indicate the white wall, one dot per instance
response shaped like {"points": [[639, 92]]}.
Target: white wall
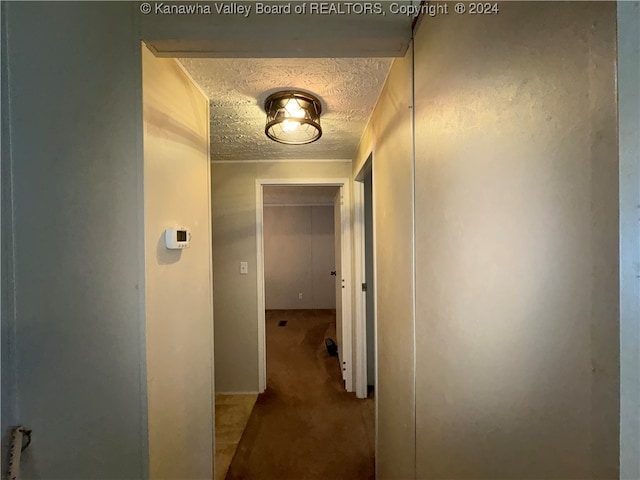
{"points": [[234, 240], [179, 311], [517, 357], [75, 125], [629, 126], [299, 257]]}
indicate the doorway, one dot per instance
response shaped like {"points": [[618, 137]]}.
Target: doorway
{"points": [[364, 248], [299, 244], [342, 280], [369, 288]]}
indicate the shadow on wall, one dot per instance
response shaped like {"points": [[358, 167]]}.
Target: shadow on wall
{"points": [[164, 255]]}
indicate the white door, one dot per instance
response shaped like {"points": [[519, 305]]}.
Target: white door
{"points": [[337, 218]]}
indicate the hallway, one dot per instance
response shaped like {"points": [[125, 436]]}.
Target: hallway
{"points": [[305, 425], [505, 191]]}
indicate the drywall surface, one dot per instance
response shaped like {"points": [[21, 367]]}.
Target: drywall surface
{"points": [[7, 375], [233, 201], [389, 136], [350, 32], [74, 86], [629, 126], [299, 257], [517, 243], [179, 312]]}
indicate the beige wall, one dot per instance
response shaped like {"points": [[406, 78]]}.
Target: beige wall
{"points": [[388, 135], [299, 257], [517, 243], [234, 240], [178, 284]]}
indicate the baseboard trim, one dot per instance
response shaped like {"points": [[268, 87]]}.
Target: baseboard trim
{"points": [[237, 393]]}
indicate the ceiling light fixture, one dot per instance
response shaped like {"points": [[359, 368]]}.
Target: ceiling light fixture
{"points": [[293, 117]]}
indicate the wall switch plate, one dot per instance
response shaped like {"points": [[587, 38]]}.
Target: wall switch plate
{"points": [[244, 268]]}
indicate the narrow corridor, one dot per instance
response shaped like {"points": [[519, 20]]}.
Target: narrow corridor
{"points": [[305, 425]]}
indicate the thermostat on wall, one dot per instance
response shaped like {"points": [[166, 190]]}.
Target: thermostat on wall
{"points": [[177, 237]]}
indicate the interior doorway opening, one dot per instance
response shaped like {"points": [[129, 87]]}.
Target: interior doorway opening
{"points": [[365, 292], [291, 286], [299, 244], [302, 278], [369, 289]]}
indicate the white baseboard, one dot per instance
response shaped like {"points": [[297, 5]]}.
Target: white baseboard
{"points": [[237, 393]]}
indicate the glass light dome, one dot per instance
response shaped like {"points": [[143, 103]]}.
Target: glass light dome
{"points": [[293, 117]]}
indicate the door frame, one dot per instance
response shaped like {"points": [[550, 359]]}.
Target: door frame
{"points": [[345, 234], [360, 297]]}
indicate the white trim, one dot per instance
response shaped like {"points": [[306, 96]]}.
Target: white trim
{"points": [[269, 205], [210, 233], [301, 182], [346, 268], [262, 347], [302, 160], [360, 274], [238, 393], [374, 243], [347, 320], [360, 297]]}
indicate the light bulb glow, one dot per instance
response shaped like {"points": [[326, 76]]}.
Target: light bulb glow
{"points": [[290, 125], [293, 109]]}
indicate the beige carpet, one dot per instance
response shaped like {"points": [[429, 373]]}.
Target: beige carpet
{"points": [[305, 426], [232, 415]]}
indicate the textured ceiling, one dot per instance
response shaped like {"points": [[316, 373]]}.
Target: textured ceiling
{"points": [[237, 88], [299, 195]]}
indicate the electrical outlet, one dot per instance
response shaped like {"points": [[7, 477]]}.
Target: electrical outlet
{"points": [[300, 296]]}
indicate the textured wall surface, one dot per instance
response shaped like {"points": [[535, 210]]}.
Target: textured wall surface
{"points": [[233, 200], [179, 311], [517, 243], [389, 137], [346, 87], [629, 117], [299, 194], [298, 257], [74, 79]]}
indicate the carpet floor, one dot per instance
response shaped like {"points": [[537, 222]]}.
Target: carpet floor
{"points": [[232, 415], [305, 426]]}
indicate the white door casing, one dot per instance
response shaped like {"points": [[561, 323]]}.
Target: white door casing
{"points": [[339, 285], [360, 297]]}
